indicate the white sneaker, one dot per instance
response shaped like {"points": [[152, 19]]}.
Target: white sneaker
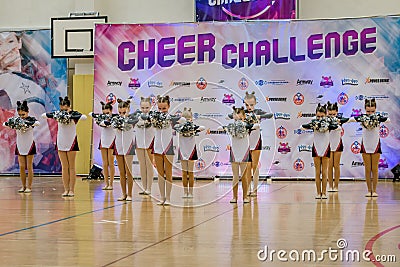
{"points": [[189, 195], [374, 194], [246, 200], [185, 195], [147, 193], [167, 203], [233, 200], [331, 189], [324, 196], [318, 197], [28, 190], [128, 198], [369, 194], [161, 202], [335, 189]]}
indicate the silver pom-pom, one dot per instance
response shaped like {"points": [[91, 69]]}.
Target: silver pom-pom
{"points": [[120, 123], [160, 120], [187, 129], [237, 129], [102, 118], [369, 121], [251, 118], [17, 123], [321, 125], [62, 116]]}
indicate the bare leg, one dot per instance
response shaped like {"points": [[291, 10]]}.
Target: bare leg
{"points": [[122, 175], [128, 169], [245, 168], [141, 155], [184, 166], [367, 167], [104, 157], [255, 158], [191, 176], [324, 166], [150, 171], [374, 169], [22, 174], [64, 170], [235, 181], [336, 166], [71, 155], [29, 165], [159, 159], [111, 166], [317, 166], [168, 159], [330, 169]]}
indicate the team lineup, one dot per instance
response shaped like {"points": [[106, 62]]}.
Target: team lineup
{"points": [[148, 134]]}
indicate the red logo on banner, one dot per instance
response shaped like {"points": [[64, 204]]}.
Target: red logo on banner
{"points": [[243, 84], [201, 83], [298, 165], [111, 98], [281, 132], [298, 98]]}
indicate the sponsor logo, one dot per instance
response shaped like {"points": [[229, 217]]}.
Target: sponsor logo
{"points": [[200, 164], [357, 164], [383, 131], [270, 82], [207, 115], [228, 99], [218, 85], [220, 164], [298, 98], [377, 97], [134, 83], [355, 147], [211, 148], [157, 84], [383, 164], [302, 131], [320, 97], [243, 84], [301, 114], [298, 165], [326, 82], [201, 83], [304, 82], [207, 99], [114, 83], [242, 9], [179, 84], [304, 148], [343, 98], [275, 99], [209, 131], [282, 116], [181, 99], [383, 113], [377, 80], [111, 98], [355, 112], [281, 132], [268, 148], [348, 81], [284, 148]]}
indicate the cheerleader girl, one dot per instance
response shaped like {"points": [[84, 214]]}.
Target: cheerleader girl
{"points": [[25, 148], [144, 143], [371, 145], [187, 149], [253, 116], [124, 146], [240, 156], [321, 149], [336, 145], [163, 150], [107, 142], [67, 142]]}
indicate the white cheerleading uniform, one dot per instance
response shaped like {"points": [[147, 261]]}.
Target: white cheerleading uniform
{"points": [[125, 137], [335, 140], [144, 137], [255, 134], [107, 135], [187, 148], [66, 136], [370, 141], [240, 149], [321, 147], [25, 143], [163, 139]]}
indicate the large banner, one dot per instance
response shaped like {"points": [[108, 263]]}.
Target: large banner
{"points": [[27, 72], [226, 10], [291, 65]]}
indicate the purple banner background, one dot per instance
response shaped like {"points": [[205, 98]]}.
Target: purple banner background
{"points": [[219, 10]]}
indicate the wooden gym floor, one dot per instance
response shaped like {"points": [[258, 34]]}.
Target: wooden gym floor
{"points": [[93, 229]]}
